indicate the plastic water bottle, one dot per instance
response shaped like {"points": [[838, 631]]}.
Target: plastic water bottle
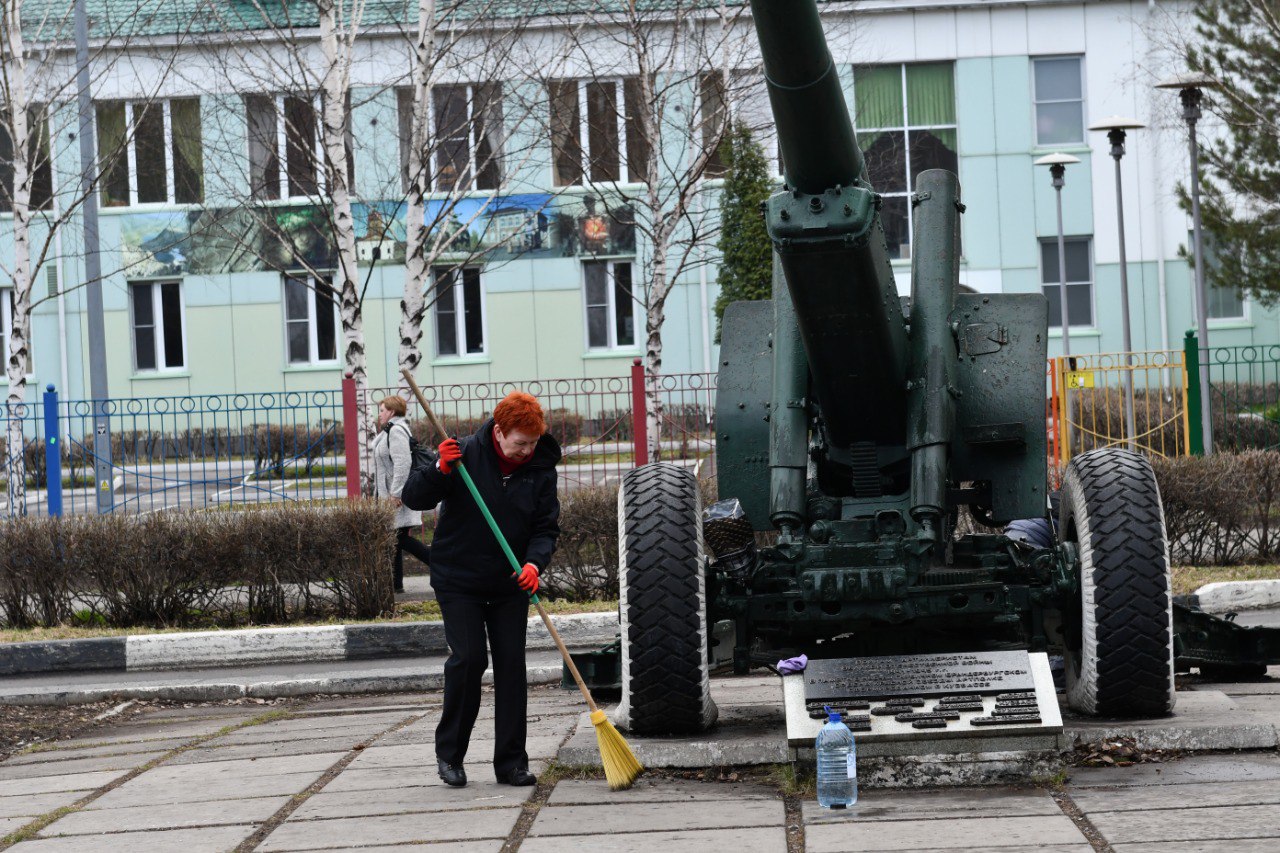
{"points": [[837, 768]]}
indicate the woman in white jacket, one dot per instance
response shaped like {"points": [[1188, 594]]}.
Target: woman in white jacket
{"points": [[392, 459]]}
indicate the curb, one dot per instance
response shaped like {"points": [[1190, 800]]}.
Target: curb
{"points": [[204, 649], [1239, 595]]}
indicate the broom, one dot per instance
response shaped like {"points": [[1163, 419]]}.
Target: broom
{"points": [[620, 764]]}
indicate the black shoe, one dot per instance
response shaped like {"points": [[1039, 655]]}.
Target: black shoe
{"points": [[453, 776], [399, 589], [519, 777]]}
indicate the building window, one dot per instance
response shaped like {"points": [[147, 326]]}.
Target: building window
{"points": [[310, 320], [38, 161], [714, 106], [150, 152], [1225, 302], [611, 311], [467, 122], [1079, 280], [459, 310], [612, 109], [285, 147], [1059, 101], [906, 124], [158, 334]]}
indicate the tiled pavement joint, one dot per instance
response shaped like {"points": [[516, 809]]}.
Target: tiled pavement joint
{"points": [[1086, 827], [283, 813], [794, 825]]}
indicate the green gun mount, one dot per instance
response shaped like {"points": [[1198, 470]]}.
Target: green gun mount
{"points": [[879, 446]]}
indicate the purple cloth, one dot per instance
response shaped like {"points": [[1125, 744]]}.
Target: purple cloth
{"points": [[791, 666]]}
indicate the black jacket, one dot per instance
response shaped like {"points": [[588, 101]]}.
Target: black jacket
{"points": [[465, 556]]}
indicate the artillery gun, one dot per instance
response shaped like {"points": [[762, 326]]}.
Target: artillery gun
{"points": [[855, 428]]}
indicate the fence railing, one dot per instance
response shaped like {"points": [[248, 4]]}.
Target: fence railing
{"points": [[230, 450], [1087, 401], [1244, 396]]}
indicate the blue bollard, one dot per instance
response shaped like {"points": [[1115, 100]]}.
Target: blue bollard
{"points": [[52, 452]]}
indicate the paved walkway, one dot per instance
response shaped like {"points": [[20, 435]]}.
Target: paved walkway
{"points": [[358, 772]]}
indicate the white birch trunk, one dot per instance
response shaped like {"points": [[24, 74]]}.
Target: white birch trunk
{"points": [[17, 358], [413, 302], [336, 43]]}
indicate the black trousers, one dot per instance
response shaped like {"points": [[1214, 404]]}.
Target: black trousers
{"points": [[416, 547], [467, 619]]}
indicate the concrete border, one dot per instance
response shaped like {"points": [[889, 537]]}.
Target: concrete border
{"points": [[1239, 595], [202, 649]]}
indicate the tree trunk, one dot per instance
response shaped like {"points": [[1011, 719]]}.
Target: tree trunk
{"points": [[336, 45], [413, 304], [654, 318], [18, 356]]}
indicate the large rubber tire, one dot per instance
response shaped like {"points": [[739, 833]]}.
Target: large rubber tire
{"points": [[665, 681], [1119, 649]]}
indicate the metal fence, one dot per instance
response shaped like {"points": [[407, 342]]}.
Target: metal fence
{"points": [[1087, 397], [1244, 396], [594, 419], [179, 452]]}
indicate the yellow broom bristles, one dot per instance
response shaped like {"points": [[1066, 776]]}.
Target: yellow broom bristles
{"points": [[620, 765]]}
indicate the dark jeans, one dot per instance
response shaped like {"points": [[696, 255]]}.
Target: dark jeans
{"points": [[416, 547], [467, 618]]}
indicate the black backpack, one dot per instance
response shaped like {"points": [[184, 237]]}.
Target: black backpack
{"points": [[421, 457]]}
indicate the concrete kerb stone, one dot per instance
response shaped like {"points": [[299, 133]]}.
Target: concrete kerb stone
{"points": [[202, 649], [1239, 595]]}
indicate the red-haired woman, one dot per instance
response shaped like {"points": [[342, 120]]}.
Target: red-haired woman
{"points": [[512, 460]]}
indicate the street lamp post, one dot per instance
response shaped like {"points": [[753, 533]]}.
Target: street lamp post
{"points": [[1116, 127], [1190, 91], [1057, 164]]}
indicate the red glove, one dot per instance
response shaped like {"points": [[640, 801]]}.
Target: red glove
{"points": [[528, 578], [450, 452]]}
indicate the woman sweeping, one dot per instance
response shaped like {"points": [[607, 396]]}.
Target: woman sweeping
{"points": [[392, 460], [512, 460]]}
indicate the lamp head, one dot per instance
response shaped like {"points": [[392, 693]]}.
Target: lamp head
{"points": [[1057, 164], [1116, 128], [1190, 88]]}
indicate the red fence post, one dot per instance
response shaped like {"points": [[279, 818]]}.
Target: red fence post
{"points": [[639, 432], [351, 435]]}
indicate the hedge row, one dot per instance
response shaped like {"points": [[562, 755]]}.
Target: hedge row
{"points": [[198, 569], [1222, 509]]}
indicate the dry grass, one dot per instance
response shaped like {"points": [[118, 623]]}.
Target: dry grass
{"points": [[1187, 579], [413, 611]]}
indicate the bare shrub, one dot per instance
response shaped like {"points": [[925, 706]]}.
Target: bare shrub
{"points": [[585, 564], [35, 585], [1219, 510]]}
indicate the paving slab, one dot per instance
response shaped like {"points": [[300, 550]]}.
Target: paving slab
{"points": [[744, 734], [75, 766], [391, 829], [760, 839], [978, 833], [211, 840], [148, 790], [1236, 845], [12, 824], [167, 816], [1187, 821], [896, 804], [656, 816], [50, 784], [419, 798], [34, 805], [423, 755], [211, 752], [96, 750], [656, 790], [314, 727], [387, 778], [1202, 720], [1258, 767], [1135, 798]]}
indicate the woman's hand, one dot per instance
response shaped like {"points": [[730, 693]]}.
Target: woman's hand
{"points": [[450, 452], [528, 578]]}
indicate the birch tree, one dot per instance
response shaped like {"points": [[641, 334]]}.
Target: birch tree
{"points": [[679, 66]]}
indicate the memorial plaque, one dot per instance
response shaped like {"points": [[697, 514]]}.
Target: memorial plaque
{"points": [[895, 677], [931, 723], [1004, 721]]}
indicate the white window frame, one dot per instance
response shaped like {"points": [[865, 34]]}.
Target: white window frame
{"points": [[282, 148], [157, 316], [584, 132], [132, 109], [472, 143], [460, 314], [611, 289], [1087, 239], [1036, 102], [905, 130], [313, 331]]}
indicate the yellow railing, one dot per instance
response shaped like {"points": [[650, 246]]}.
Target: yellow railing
{"points": [[1087, 403]]}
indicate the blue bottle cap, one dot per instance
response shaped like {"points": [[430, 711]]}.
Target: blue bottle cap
{"points": [[832, 716]]}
